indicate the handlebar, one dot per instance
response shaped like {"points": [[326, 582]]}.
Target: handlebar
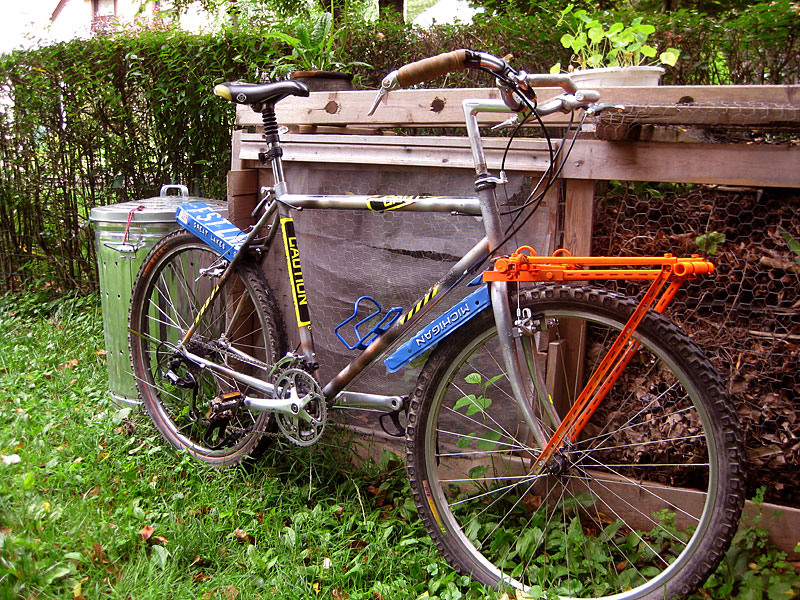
{"points": [[513, 83], [431, 68]]}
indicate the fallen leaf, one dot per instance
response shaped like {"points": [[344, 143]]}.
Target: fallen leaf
{"points": [[98, 554], [68, 365], [230, 592], [11, 459], [339, 594], [200, 577], [147, 532], [101, 353], [326, 563], [159, 540], [242, 536]]}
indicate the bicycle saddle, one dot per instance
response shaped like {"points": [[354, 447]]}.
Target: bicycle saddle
{"points": [[260, 93]]}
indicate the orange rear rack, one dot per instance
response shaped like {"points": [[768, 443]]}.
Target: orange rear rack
{"points": [[525, 266]]}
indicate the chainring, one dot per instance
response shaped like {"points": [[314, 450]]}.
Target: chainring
{"points": [[293, 382]]}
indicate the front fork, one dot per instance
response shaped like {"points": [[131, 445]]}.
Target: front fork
{"points": [[520, 385]]}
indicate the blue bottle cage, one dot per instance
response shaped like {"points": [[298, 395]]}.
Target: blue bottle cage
{"points": [[365, 339]]}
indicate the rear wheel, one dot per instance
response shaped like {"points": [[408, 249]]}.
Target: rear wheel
{"points": [[643, 504], [193, 408]]}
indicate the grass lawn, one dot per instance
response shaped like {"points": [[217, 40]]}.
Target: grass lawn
{"points": [[93, 505]]}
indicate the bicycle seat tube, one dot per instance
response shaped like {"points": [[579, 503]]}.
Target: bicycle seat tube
{"points": [[273, 154]]}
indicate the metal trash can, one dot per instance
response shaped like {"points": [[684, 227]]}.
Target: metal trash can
{"points": [[124, 234]]}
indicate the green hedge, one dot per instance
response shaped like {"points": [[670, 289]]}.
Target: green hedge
{"points": [[756, 45], [113, 118], [108, 120]]}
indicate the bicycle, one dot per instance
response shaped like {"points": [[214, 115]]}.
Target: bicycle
{"points": [[560, 437]]}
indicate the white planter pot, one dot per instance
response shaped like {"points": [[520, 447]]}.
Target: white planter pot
{"points": [[617, 77]]}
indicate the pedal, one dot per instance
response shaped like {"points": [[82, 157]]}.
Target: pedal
{"points": [[382, 322], [211, 227], [221, 406]]}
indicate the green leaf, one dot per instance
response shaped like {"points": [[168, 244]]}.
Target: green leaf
{"points": [[615, 28], [279, 35], [464, 401], [494, 379], [648, 51], [793, 244], [159, 556], [596, 34], [56, 572], [474, 378], [487, 440], [529, 541], [708, 242], [669, 56], [465, 441], [479, 405], [478, 472]]}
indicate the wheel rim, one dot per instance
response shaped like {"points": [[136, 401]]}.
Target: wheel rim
{"points": [[232, 328], [592, 462]]}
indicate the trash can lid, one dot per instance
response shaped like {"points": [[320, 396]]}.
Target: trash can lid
{"points": [[158, 209]]}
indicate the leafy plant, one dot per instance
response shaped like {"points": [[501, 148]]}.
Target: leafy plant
{"points": [[476, 404], [709, 242], [793, 244], [596, 44], [314, 48], [752, 568]]}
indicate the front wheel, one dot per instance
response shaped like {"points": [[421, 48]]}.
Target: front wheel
{"points": [[197, 409], [642, 504]]}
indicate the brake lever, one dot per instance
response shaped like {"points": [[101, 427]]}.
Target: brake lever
{"points": [[388, 84], [510, 122]]}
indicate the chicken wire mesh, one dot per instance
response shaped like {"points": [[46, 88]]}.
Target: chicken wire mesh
{"points": [[745, 316]]}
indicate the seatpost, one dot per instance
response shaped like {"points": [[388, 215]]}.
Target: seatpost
{"points": [[274, 151]]}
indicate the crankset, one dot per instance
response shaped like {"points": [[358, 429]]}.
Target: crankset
{"points": [[310, 413]]}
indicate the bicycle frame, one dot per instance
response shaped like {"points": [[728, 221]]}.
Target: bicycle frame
{"points": [[484, 205]]}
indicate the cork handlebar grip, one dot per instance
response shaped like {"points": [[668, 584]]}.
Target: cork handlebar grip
{"points": [[430, 68]]}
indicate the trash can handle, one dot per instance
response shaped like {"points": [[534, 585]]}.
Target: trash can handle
{"points": [[184, 191]]}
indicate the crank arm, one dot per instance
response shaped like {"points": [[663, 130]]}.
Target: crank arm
{"points": [[293, 407]]}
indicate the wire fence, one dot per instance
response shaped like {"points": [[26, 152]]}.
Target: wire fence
{"points": [[747, 317]]}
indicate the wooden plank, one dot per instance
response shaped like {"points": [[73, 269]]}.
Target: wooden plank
{"points": [[449, 152], [236, 144], [442, 107], [578, 217], [578, 225], [242, 193], [242, 182], [729, 164]]}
